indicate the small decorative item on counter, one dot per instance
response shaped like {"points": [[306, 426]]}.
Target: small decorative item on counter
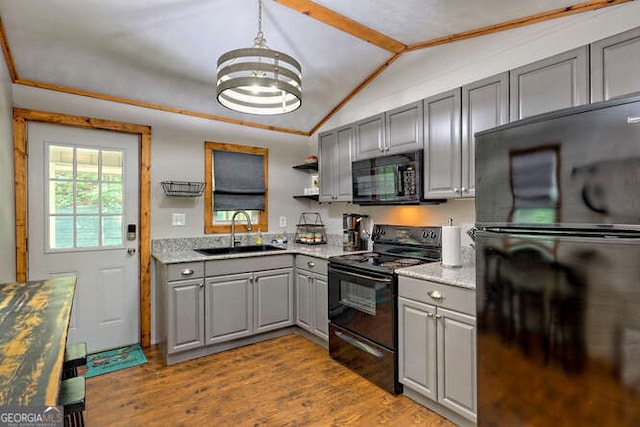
{"points": [[259, 237], [310, 229]]}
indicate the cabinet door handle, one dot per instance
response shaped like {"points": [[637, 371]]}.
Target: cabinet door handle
{"points": [[201, 285], [464, 190], [436, 295], [438, 316], [633, 120], [311, 264], [455, 189], [429, 314], [187, 272]]}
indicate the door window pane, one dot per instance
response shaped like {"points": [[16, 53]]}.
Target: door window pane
{"points": [[61, 197], [86, 197], [112, 166], [111, 198], [112, 230], [61, 232], [87, 231], [87, 164], [60, 162]]}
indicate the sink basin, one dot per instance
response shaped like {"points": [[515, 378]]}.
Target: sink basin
{"points": [[238, 250]]}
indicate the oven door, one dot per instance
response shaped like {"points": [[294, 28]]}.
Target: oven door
{"points": [[363, 303]]}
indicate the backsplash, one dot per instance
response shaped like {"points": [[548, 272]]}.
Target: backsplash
{"points": [[219, 241]]}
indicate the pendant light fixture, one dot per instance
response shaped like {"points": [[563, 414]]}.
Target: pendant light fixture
{"points": [[259, 80]]}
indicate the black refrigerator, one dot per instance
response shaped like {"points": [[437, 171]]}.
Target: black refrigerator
{"points": [[558, 268]]}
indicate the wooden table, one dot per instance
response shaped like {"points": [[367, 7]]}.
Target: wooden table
{"points": [[34, 319]]}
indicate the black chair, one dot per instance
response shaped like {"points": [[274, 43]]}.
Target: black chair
{"points": [[75, 356], [72, 399]]}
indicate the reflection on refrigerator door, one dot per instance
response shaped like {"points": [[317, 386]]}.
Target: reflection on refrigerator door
{"points": [[558, 330]]}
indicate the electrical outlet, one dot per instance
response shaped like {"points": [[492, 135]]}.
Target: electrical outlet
{"points": [[178, 219], [283, 221]]}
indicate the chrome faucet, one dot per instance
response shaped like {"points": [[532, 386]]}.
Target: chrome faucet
{"points": [[233, 226]]}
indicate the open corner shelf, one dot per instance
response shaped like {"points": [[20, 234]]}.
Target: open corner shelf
{"points": [[307, 167]]}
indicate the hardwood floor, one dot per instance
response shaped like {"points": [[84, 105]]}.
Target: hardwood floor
{"points": [[287, 381]]}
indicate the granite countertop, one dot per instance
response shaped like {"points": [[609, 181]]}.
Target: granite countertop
{"points": [[189, 255], [464, 276]]}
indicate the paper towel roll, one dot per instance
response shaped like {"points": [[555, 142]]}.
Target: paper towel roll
{"points": [[451, 246]]}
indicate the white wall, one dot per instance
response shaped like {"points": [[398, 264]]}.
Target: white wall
{"points": [[427, 72], [7, 217], [177, 154]]}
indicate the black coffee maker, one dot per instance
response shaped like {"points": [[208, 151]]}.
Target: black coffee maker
{"points": [[352, 232]]}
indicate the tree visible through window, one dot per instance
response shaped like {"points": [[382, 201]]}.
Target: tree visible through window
{"points": [[238, 183], [85, 197]]}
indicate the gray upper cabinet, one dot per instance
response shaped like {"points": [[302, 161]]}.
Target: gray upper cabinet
{"points": [[335, 148], [553, 83], [403, 129], [370, 137], [442, 156], [485, 104], [615, 66]]}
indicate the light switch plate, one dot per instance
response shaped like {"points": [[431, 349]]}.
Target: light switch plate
{"points": [[178, 219], [283, 221]]}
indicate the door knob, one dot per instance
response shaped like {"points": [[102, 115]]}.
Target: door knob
{"points": [[131, 251]]}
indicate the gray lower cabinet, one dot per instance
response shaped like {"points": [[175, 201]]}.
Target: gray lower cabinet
{"points": [[202, 304], [437, 347], [335, 148], [615, 66], [185, 309], [560, 81], [272, 300], [240, 305], [312, 305], [228, 308]]}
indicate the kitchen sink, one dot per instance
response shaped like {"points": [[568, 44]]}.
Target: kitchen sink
{"points": [[238, 249]]}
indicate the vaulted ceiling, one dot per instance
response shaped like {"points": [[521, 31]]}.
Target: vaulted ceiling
{"points": [[162, 54]]}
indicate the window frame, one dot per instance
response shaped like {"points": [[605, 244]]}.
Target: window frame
{"points": [[241, 226]]}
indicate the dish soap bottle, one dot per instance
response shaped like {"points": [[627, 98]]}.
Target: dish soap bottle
{"points": [[259, 237]]}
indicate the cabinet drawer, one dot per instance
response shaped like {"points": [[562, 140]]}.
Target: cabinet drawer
{"points": [[185, 270], [247, 264], [438, 294], [318, 265]]}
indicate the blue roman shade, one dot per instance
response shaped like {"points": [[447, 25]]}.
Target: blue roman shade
{"points": [[238, 181]]}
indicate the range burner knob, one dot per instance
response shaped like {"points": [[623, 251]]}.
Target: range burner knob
{"points": [[432, 234]]}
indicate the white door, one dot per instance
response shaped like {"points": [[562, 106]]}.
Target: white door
{"points": [[82, 197]]}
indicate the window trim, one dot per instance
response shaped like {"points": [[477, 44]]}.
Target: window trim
{"points": [[209, 227]]}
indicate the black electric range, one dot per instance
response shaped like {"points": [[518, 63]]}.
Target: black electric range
{"points": [[363, 306], [396, 247]]}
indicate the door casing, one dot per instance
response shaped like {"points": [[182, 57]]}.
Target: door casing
{"points": [[20, 119]]}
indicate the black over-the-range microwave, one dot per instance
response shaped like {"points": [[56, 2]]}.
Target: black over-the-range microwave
{"points": [[388, 180]]}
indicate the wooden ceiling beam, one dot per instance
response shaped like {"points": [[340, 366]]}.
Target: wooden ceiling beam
{"points": [[342, 23], [11, 66], [519, 22]]}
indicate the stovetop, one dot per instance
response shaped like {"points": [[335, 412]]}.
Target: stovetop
{"points": [[396, 247]]}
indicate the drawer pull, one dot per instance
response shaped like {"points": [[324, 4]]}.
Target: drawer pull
{"points": [[436, 295], [311, 264], [187, 272]]}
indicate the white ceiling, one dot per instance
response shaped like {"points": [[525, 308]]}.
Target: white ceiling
{"points": [[165, 51]]}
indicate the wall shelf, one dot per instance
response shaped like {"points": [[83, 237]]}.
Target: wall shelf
{"points": [[307, 167], [182, 188]]}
